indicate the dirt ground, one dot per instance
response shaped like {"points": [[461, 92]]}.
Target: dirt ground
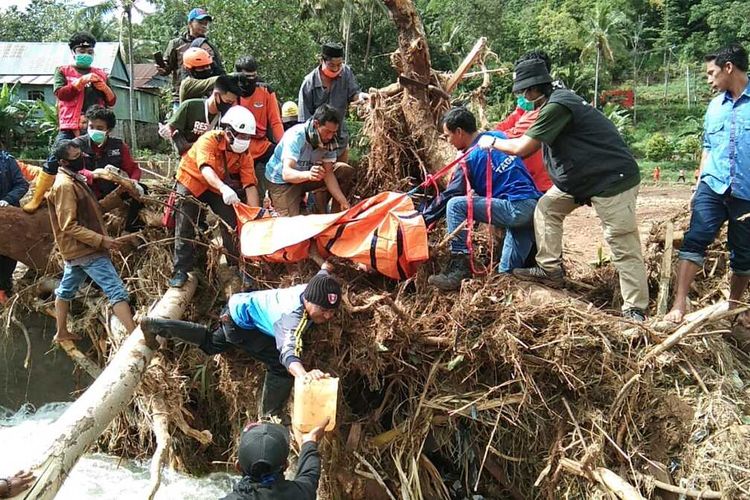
{"points": [[583, 233]]}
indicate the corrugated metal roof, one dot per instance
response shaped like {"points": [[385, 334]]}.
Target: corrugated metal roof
{"points": [[41, 58], [27, 79], [146, 77]]}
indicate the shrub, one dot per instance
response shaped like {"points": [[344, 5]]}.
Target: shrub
{"points": [[659, 147]]}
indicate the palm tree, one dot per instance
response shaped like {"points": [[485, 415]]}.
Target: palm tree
{"points": [[601, 27], [124, 10]]}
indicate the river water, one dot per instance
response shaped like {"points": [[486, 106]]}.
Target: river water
{"points": [[98, 475]]}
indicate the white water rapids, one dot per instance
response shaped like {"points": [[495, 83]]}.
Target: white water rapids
{"points": [[98, 475]]}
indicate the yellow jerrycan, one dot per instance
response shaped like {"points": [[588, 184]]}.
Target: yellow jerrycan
{"points": [[314, 401]]}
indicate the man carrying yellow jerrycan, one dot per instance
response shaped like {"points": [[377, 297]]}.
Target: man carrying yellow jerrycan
{"points": [[268, 325]]}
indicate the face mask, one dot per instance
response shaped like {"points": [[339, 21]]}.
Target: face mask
{"points": [[524, 103], [248, 86], [84, 61], [222, 106], [77, 164], [201, 74], [238, 145], [98, 136], [330, 74]]}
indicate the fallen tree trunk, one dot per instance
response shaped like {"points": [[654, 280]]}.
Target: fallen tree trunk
{"points": [[31, 241], [72, 434]]}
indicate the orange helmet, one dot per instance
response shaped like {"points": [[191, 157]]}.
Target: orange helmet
{"points": [[195, 57]]}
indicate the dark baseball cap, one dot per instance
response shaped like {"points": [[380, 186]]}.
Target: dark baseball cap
{"points": [[529, 73], [198, 15], [264, 448]]}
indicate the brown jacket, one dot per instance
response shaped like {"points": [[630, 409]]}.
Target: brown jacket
{"points": [[76, 217]]}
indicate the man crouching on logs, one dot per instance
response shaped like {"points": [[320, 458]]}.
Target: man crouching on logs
{"points": [[268, 325]]}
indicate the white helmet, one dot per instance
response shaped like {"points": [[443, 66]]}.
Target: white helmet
{"points": [[240, 119]]}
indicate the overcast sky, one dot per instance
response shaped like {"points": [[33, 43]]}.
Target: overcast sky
{"points": [[141, 4]]}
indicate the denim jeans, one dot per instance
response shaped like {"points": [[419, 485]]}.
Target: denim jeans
{"points": [[709, 211], [515, 217], [101, 271]]}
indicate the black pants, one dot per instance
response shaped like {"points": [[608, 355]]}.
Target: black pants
{"points": [[278, 382], [188, 214], [7, 266], [260, 172]]}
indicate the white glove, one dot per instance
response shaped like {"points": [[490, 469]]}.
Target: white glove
{"points": [[486, 141], [364, 96], [139, 188], [229, 196], [4, 203], [165, 131]]}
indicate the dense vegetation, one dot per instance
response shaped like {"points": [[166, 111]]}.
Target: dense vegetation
{"points": [[655, 44]]}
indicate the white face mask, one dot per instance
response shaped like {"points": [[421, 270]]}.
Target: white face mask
{"points": [[240, 145]]}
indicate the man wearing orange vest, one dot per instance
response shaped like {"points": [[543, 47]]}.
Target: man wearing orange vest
{"points": [[260, 99], [217, 166], [77, 87]]}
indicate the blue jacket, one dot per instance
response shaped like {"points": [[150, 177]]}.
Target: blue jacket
{"points": [[12, 184], [278, 313], [510, 180]]}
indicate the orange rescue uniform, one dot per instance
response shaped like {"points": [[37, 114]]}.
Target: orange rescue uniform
{"points": [[212, 149]]}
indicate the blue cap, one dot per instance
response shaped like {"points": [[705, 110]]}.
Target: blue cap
{"points": [[198, 14]]}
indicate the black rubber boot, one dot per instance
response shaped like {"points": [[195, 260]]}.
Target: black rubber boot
{"points": [[455, 272], [276, 390], [191, 333]]}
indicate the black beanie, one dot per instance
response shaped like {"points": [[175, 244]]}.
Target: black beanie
{"points": [[323, 291]]}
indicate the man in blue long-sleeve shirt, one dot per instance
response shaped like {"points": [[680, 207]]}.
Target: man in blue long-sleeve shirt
{"points": [[513, 198], [268, 325], [13, 187]]}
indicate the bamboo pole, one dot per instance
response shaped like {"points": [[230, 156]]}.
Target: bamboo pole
{"points": [[84, 421], [666, 272]]}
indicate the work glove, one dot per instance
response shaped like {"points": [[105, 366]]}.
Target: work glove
{"points": [[88, 175], [486, 141], [4, 203], [100, 85], [139, 188], [229, 196], [165, 131], [81, 82], [363, 96]]}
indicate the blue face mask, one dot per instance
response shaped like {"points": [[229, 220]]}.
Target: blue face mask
{"points": [[84, 61], [524, 103], [98, 136]]}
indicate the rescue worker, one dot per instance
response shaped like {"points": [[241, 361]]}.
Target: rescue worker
{"points": [[269, 325], [196, 37], [289, 114], [332, 82], [215, 168], [589, 163], [262, 460], [81, 237], [195, 117], [77, 87], [723, 190], [260, 99], [103, 150], [13, 187], [201, 75], [513, 199], [305, 161]]}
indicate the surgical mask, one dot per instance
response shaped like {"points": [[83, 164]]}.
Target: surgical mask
{"points": [[330, 74], [524, 103], [239, 145], [98, 136], [84, 61]]}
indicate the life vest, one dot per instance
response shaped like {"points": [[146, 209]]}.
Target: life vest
{"points": [[69, 112], [383, 232]]}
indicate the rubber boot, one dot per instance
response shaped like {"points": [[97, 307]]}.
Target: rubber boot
{"points": [[44, 181], [454, 273], [276, 390], [191, 333]]}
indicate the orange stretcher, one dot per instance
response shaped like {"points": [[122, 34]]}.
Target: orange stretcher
{"points": [[384, 232]]}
